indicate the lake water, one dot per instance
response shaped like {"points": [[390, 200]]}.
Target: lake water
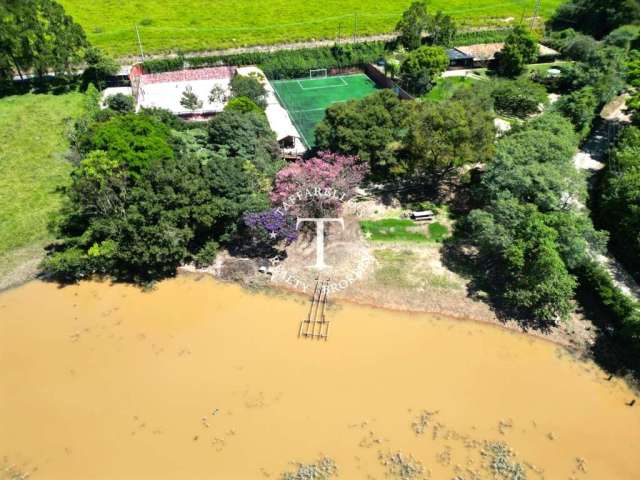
{"points": [[203, 380]]}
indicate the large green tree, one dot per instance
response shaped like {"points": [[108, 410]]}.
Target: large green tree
{"points": [[422, 67], [443, 136], [37, 36], [371, 128], [127, 220], [596, 17], [414, 22], [520, 49]]}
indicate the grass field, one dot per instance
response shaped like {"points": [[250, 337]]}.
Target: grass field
{"points": [[306, 99], [191, 25], [446, 87], [403, 230], [32, 165]]}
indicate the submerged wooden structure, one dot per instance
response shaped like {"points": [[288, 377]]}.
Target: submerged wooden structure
{"points": [[316, 325]]}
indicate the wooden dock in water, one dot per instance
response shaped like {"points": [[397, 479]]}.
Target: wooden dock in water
{"points": [[316, 325]]}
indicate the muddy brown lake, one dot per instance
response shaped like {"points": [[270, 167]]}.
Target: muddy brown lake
{"points": [[198, 379]]}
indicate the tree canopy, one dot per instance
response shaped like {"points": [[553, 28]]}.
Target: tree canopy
{"points": [[37, 35], [414, 22], [596, 17], [520, 49], [422, 67]]}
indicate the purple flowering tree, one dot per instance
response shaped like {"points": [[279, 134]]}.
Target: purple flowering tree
{"points": [[271, 226]]}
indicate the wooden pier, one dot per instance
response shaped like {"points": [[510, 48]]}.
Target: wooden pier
{"points": [[316, 325]]}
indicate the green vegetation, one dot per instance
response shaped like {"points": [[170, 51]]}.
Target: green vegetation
{"points": [[33, 166], [445, 88], [283, 63], [421, 68], [518, 98], [596, 17], [37, 36], [407, 138], [403, 230], [190, 25], [520, 49], [148, 195]]}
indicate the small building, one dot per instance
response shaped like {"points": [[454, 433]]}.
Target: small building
{"points": [[483, 54], [458, 59]]}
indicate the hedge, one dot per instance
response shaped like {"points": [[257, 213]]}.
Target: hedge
{"points": [[283, 63], [624, 310]]}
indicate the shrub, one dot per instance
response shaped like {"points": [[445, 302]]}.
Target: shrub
{"points": [[519, 98], [243, 105], [120, 103]]}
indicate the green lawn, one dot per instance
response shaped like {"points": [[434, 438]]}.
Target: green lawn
{"points": [[192, 25], [446, 87], [33, 143], [403, 230]]}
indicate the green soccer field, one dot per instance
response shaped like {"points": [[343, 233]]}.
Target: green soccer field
{"points": [[306, 99]]}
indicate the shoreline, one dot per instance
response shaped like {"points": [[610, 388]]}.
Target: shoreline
{"points": [[282, 289]]}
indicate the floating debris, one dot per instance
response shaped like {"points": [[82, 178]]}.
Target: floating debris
{"points": [[401, 466], [420, 424], [323, 469], [501, 463]]}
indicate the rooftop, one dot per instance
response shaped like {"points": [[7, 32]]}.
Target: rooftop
{"points": [[487, 51]]}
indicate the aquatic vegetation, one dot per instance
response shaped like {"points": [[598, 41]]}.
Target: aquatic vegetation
{"points": [[323, 469]]}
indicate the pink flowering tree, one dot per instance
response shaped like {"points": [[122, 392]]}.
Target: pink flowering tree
{"points": [[318, 186]]}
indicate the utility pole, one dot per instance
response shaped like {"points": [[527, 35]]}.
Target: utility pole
{"points": [[355, 27], [339, 32], [140, 43], [536, 12]]}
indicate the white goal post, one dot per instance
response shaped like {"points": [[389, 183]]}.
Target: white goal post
{"points": [[318, 73]]}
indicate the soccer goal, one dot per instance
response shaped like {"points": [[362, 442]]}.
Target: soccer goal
{"points": [[318, 73]]}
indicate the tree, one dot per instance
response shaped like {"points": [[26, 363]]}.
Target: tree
{"points": [[243, 105], [251, 87], [371, 129], [520, 49], [422, 67], [444, 136], [99, 67], [120, 103], [297, 186], [618, 204], [443, 29], [580, 108], [535, 165], [190, 100], [527, 273], [246, 135], [134, 141], [519, 98], [415, 20], [37, 35], [596, 17], [140, 224], [218, 94]]}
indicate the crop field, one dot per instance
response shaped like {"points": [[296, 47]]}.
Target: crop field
{"points": [[33, 143], [193, 25]]}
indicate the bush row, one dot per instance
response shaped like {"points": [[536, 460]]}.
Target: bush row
{"points": [[283, 63], [625, 311]]}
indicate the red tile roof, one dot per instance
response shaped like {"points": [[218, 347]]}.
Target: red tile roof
{"points": [[188, 75]]}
